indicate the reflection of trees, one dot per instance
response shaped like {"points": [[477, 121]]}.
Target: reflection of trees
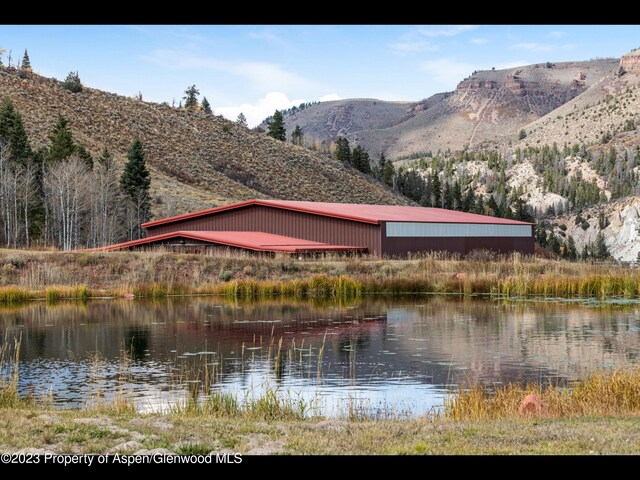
{"points": [[136, 342], [489, 340]]}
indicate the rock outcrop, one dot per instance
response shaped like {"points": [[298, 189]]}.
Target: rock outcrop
{"points": [[631, 61]]}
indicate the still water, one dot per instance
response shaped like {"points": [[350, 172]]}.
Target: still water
{"points": [[385, 355]]}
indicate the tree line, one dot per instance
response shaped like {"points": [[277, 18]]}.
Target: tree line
{"points": [[60, 195]]}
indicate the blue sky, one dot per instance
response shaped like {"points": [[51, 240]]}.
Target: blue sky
{"points": [[255, 69]]}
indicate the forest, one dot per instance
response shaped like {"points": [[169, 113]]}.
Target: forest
{"points": [[60, 195]]}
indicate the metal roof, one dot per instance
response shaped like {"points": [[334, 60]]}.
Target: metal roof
{"points": [[357, 212], [257, 241]]}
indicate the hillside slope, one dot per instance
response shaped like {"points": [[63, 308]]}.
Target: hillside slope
{"points": [[326, 121], [597, 115], [196, 161], [486, 109]]}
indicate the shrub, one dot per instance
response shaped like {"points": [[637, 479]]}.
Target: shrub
{"points": [[72, 82]]}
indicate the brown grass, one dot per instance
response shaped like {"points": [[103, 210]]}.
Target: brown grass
{"points": [[602, 394], [26, 275]]}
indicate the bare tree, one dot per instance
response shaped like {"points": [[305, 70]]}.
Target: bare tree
{"points": [[67, 188]]}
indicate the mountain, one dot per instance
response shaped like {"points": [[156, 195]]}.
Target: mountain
{"points": [[326, 121], [486, 109], [196, 161]]}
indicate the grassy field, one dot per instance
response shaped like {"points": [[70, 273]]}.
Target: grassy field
{"points": [[78, 431], [27, 275]]}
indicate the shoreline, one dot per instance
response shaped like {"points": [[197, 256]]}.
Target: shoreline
{"points": [[42, 431], [54, 276]]}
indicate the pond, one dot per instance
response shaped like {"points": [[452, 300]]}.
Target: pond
{"points": [[382, 355]]}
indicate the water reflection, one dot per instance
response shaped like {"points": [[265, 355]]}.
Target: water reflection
{"points": [[396, 353]]}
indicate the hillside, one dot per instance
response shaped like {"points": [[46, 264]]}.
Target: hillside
{"points": [[486, 109], [196, 161], [327, 121], [597, 115]]}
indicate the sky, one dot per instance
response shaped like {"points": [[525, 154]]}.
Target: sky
{"points": [[256, 69]]}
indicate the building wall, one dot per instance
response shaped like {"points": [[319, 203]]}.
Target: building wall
{"points": [[401, 245], [260, 218]]}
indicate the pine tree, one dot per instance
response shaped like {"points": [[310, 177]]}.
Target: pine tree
{"points": [[72, 83], [436, 190], [600, 250], [26, 63], [377, 171], [84, 155], [242, 120], [570, 252], [360, 159], [135, 182], [275, 128], [62, 145], [206, 106], [388, 173], [13, 133], [343, 151], [191, 98], [297, 136], [521, 211], [106, 159], [447, 198], [456, 196]]}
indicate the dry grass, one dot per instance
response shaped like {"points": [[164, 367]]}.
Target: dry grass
{"points": [[602, 394], [26, 275]]}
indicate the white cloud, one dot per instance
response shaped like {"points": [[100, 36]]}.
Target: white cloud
{"points": [[448, 72], [557, 34], [266, 76], [330, 97], [542, 47], [261, 109], [411, 45], [419, 39], [267, 35], [479, 41], [446, 31]]}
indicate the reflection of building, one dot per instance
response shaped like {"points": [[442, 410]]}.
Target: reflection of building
{"points": [[305, 227]]}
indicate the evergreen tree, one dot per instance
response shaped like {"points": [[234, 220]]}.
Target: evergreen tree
{"points": [[469, 200], [72, 83], [360, 159], [242, 120], [206, 106], [570, 252], [377, 171], [521, 211], [436, 190], [191, 98], [106, 159], [85, 155], [600, 250], [456, 196], [62, 145], [388, 173], [26, 63], [275, 128], [135, 182], [297, 136], [447, 199], [13, 133], [343, 151]]}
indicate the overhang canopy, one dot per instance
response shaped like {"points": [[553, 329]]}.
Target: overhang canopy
{"points": [[255, 241]]}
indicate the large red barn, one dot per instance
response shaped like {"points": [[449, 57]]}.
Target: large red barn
{"points": [[303, 227]]}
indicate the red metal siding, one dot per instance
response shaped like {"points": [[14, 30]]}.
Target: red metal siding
{"points": [[259, 218], [400, 246]]}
